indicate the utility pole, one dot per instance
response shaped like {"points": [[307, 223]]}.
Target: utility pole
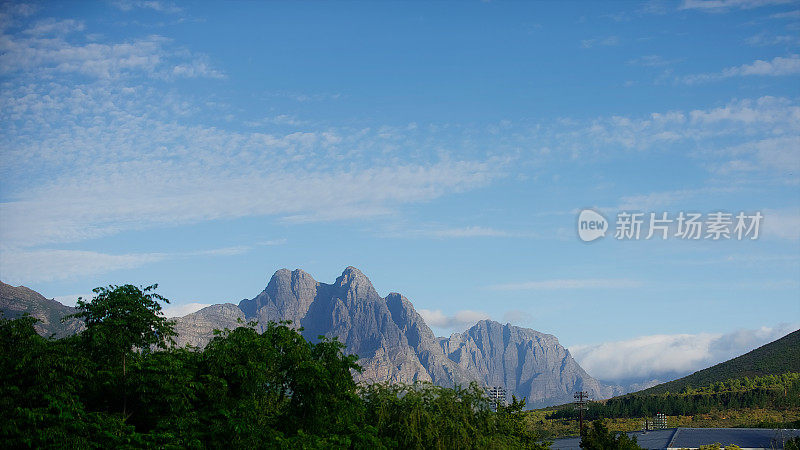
{"points": [[581, 398]]}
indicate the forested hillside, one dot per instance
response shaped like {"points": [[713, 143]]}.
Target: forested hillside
{"points": [[777, 357], [759, 388], [774, 392]]}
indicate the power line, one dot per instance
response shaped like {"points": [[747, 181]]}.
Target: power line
{"points": [[582, 398]]}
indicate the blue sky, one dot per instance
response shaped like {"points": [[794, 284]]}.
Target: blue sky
{"points": [[444, 149]]}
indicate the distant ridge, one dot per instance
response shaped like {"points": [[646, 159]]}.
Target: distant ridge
{"points": [[19, 300], [777, 357]]}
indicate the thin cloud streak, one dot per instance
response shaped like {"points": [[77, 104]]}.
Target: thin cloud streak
{"points": [[565, 284], [725, 5], [776, 67], [27, 266]]}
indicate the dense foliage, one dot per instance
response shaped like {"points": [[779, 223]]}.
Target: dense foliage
{"points": [[119, 384], [424, 415], [598, 437], [771, 391], [777, 357]]}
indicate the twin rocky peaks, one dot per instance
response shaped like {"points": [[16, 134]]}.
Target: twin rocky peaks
{"points": [[392, 340], [396, 345]]}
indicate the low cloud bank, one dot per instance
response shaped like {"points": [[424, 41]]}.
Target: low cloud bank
{"points": [[666, 356]]}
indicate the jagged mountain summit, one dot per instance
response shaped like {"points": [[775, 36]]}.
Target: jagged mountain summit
{"points": [[396, 345], [392, 340]]}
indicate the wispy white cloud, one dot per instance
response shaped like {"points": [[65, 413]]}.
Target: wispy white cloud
{"points": [[46, 265], [12, 12], [280, 119], [146, 170], [306, 97], [94, 159], [780, 154], [660, 201], [26, 266], [461, 319], [155, 5], [766, 116], [652, 61], [199, 67], [563, 284], [725, 5], [771, 115], [48, 47], [766, 39], [608, 41], [786, 15], [463, 232], [53, 26], [782, 224], [777, 66], [474, 231], [133, 196], [667, 356], [225, 251]]}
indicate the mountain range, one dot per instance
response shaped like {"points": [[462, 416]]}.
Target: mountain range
{"points": [[392, 340]]}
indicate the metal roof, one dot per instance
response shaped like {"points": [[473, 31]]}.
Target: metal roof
{"points": [[677, 438], [743, 437]]}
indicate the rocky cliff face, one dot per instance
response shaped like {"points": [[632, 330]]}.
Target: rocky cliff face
{"points": [[16, 301], [395, 344], [197, 329], [392, 340], [528, 363]]}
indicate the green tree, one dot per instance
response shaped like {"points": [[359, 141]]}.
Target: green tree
{"points": [[425, 416], [122, 322], [600, 438], [41, 386], [513, 428], [278, 389]]}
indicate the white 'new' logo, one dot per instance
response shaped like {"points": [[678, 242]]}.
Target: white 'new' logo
{"points": [[591, 225]]}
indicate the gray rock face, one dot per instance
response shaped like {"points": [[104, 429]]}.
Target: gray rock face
{"points": [[395, 345], [392, 340], [287, 297], [528, 363], [16, 301], [197, 329]]}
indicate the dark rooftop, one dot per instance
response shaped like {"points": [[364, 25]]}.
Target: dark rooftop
{"points": [[677, 438]]}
